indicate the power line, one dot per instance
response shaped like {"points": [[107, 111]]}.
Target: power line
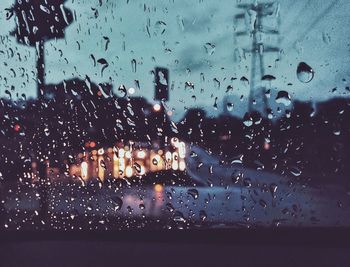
{"points": [[257, 11]]}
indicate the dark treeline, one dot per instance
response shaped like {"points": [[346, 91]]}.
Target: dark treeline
{"points": [[302, 142]]}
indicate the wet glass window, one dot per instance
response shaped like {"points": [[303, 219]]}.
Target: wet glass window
{"points": [[174, 114]]}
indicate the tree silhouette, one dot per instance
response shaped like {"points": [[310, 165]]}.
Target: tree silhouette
{"points": [[38, 21]]}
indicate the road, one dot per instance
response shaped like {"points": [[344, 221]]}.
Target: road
{"points": [[225, 196]]}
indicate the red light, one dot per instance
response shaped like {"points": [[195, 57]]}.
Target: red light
{"points": [[17, 127], [92, 144], [266, 146]]}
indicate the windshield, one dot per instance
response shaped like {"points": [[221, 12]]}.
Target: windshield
{"points": [[174, 114]]}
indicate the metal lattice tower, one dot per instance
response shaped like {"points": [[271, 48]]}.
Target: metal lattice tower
{"points": [[257, 12]]}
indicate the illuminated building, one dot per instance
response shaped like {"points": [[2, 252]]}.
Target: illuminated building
{"points": [[125, 161]]}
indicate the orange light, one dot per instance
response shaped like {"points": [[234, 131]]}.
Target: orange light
{"points": [[92, 144], [158, 188]]}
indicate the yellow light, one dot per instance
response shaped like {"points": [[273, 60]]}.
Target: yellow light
{"points": [[158, 188], [141, 154], [128, 171], [84, 170], [101, 169], [156, 107]]}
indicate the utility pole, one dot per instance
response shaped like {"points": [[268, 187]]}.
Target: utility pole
{"points": [[257, 12]]}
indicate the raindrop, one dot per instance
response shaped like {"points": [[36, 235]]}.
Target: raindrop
{"points": [[133, 65], [283, 98], [304, 72], [193, 193], [247, 120], [154, 161], [202, 215], [179, 217], [117, 202], [170, 207], [236, 176], [247, 182], [209, 48], [137, 167], [160, 27], [244, 81], [103, 164], [216, 83], [189, 86], [229, 106], [262, 203], [295, 171]]}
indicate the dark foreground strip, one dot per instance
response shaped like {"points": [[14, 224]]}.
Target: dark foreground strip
{"points": [[319, 237]]}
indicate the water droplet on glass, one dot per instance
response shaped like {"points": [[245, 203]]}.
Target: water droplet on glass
{"points": [[244, 81], [229, 106], [247, 182], [133, 65], [304, 72], [193, 193], [154, 161], [202, 215], [295, 171], [209, 48], [117, 202], [283, 98]]}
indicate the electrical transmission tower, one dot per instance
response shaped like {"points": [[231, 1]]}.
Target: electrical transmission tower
{"points": [[257, 31]]}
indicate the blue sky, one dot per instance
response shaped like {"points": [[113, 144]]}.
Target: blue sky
{"points": [[315, 32]]}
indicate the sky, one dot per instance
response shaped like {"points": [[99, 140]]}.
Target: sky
{"points": [[196, 40]]}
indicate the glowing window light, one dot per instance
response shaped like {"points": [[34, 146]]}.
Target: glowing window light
{"points": [[128, 154], [182, 166], [182, 150], [121, 167], [115, 166], [128, 171], [101, 170], [175, 165], [121, 153], [141, 154], [84, 170]]}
